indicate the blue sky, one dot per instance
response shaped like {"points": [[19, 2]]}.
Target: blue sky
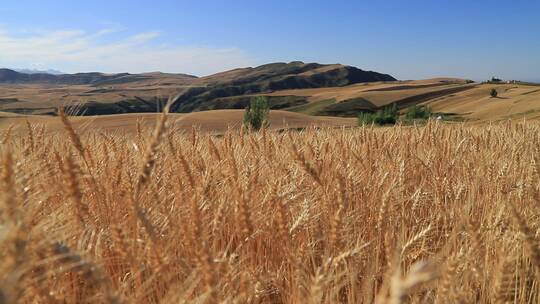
{"points": [[408, 39]]}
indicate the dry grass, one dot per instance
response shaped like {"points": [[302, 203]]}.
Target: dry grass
{"points": [[215, 121], [434, 214]]}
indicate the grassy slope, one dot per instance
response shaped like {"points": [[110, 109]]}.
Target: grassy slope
{"points": [[469, 101], [349, 100], [513, 101]]}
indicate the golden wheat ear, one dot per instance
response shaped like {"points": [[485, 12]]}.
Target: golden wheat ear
{"points": [[73, 136], [145, 171], [7, 185], [149, 156], [529, 238], [7, 134]]}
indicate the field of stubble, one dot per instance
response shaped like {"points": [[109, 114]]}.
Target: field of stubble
{"points": [[432, 214]]}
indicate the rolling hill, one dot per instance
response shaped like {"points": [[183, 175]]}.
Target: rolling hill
{"points": [[97, 93], [8, 76], [304, 88]]}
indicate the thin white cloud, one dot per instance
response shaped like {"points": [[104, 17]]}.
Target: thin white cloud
{"points": [[80, 51]]}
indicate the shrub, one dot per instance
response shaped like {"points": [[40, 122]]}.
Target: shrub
{"points": [[390, 110], [366, 118], [256, 114], [385, 119], [387, 116], [493, 93], [418, 112]]}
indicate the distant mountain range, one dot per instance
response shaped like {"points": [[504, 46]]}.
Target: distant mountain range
{"points": [[273, 76], [96, 79], [128, 93], [34, 71]]}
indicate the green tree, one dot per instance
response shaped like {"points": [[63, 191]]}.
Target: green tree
{"points": [[256, 114], [387, 116], [366, 118], [493, 93], [418, 112]]}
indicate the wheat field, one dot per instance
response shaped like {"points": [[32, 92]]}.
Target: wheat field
{"points": [[420, 214]]}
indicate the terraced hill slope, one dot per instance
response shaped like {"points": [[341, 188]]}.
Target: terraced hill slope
{"points": [[312, 89], [126, 93]]}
